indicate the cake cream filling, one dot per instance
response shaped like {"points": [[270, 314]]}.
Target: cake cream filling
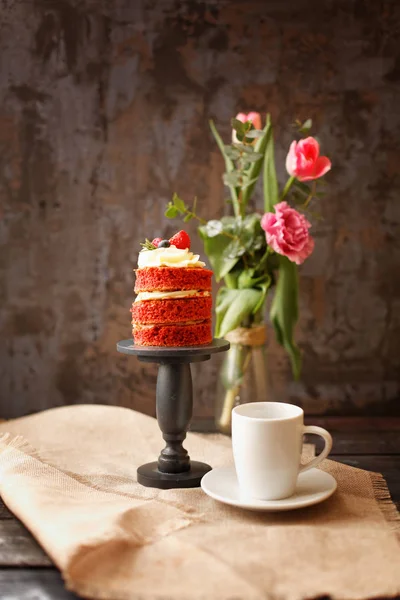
{"points": [[169, 257], [165, 295]]}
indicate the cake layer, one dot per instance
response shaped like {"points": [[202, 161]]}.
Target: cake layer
{"points": [[172, 311], [173, 335], [151, 279]]}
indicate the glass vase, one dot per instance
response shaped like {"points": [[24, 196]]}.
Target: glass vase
{"points": [[243, 375]]}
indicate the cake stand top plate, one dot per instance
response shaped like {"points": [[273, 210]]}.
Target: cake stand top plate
{"points": [[129, 347]]}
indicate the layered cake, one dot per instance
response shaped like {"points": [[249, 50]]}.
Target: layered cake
{"points": [[173, 303]]}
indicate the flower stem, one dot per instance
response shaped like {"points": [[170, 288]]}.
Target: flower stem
{"points": [[311, 194], [287, 187], [202, 221], [241, 207], [240, 168], [264, 258]]}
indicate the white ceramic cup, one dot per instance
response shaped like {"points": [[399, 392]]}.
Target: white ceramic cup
{"points": [[267, 440]]}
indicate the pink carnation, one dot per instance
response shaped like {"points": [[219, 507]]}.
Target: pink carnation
{"points": [[286, 231], [304, 162]]}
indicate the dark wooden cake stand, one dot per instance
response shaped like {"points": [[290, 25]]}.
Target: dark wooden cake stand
{"points": [[174, 406]]}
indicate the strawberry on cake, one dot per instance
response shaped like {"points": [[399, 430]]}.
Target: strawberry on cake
{"points": [[173, 303]]}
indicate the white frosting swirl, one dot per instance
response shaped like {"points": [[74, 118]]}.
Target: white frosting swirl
{"points": [[169, 257]]}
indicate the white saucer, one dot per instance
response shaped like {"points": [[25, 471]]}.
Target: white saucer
{"points": [[313, 486]]}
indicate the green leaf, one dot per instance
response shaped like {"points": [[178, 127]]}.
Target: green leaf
{"points": [[270, 181], [229, 166], [213, 228], [254, 157], [171, 211], [264, 289], [247, 149], [231, 278], [243, 147], [249, 182], [231, 223], [245, 278], [233, 306], [232, 152], [245, 233], [239, 127], [252, 222], [214, 248], [248, 279], [284, 311], [235, 249], [254, 133], [188, 217], [306, 126], [178, 203], [231, 179], [303, 127], [255, 169]]}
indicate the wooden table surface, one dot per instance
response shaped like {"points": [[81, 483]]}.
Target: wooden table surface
{"points": [[26, 572]]}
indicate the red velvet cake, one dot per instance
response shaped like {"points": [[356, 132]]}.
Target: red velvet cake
{"points": [[173, 304]]}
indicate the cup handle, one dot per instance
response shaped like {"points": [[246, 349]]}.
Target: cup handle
{"points": [[327, 448]]}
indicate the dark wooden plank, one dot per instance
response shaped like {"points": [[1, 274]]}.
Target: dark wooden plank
{"points": [[367, 442], [4, 512], [349, 424], [18, 547], [33, 584], [371, 442], [355, 424], [351, 435]]}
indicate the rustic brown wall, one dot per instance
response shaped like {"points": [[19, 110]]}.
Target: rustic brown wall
{"points": [[104, 109]]}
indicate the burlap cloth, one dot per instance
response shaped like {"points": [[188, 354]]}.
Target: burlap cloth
{"points": [[71, 481]]}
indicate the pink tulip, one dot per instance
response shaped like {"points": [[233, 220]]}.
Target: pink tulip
{"points": [[304, 162], [286, 231], [254, 117]]}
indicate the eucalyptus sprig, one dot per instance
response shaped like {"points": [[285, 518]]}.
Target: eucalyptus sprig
{"points": [[177, 207], [226, 240], [243, 160], [148, 245], [243, 155]]}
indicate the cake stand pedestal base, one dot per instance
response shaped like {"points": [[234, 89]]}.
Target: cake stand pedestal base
{"points": [[149, 476], [174, 407]]}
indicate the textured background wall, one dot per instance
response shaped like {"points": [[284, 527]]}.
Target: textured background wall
{"points": [[103, 114]]}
